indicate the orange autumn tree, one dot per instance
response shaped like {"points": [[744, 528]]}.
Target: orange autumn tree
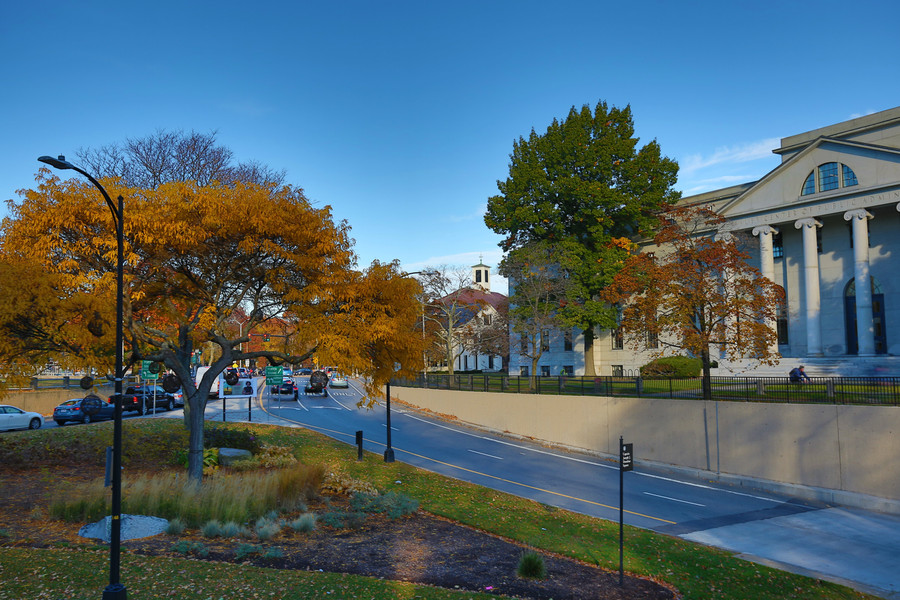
{"points": [[195, 255], [696, 292]]}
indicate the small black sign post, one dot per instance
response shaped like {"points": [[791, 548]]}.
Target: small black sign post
{"points": [[626, 463]]}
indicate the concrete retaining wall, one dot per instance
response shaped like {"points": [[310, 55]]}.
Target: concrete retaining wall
{"points": [[846, 448], [44, 401]]}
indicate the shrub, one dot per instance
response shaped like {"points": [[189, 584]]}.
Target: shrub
{"points": [[343, 520], [267, 529], [341, 483], [211, 529], [531, 565], [232, 529], [245, 550], [186, 547], [304, 523], [277, 457], [273, 554], [672, 366], [176, 526]]}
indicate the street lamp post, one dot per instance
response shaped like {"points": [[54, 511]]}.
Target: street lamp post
{"points": [[115, 590]]}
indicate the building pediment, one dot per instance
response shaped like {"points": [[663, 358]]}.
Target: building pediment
{"points": [[778, 196]]}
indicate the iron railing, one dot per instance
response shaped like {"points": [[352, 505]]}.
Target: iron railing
{"points": [[822, 390]]}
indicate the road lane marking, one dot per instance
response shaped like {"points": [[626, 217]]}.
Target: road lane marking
{"points": [[485, 454], [675, 499]]}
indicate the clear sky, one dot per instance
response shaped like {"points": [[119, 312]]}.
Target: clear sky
{"points": [[401, 115]]}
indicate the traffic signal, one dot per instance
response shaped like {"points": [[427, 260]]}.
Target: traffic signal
{"points": [[265, 337]]}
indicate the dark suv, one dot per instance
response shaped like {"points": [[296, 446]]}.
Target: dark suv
{"points": [[318, 383], [140, 398]]}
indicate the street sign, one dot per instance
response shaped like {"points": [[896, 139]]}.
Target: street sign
{"points": [[147, 370], [274, 375], [626, 457]]}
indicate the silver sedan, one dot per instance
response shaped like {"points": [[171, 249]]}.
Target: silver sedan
{"points": [[13, 417]]}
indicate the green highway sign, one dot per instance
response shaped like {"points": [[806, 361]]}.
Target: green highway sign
{"points": [[274, 375], [147, 370]]}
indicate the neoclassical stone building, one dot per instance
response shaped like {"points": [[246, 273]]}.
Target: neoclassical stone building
{"points": [[825, 219]]}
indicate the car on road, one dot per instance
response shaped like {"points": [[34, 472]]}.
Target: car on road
{"points": [[13, 417], [78, 411], [141, 397], [338, 381], [288, 387], [317, 384]]}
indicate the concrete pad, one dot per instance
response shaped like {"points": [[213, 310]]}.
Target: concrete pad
{"points": [[836, 544]]}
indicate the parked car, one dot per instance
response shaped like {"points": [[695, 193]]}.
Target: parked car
{"points": [[338, 381], [75, 411], [13, 417], [317, 384]]}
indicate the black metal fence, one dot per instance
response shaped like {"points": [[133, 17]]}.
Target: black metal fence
{"points": [[822, 390]]}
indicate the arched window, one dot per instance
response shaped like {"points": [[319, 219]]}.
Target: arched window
{"points": [[828, 176]]}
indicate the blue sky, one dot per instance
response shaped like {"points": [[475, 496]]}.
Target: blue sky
{"points": [[402, 115]]}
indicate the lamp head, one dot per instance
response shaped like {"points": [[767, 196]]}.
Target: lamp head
{"points": [[58, 163]]}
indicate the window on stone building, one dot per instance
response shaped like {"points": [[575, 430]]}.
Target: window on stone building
{"points": [[652, 340], [618, 338], [545, 341], [618, 370], [523, 371], [568, 370], [545, 371], [828, 176], [777, 245], [567, 341], [781, 323], [819, 240], [523, 344]]}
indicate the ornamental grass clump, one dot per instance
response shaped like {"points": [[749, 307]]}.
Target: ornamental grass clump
{"points": [[304, 523], [531, 565], [266, 529]]}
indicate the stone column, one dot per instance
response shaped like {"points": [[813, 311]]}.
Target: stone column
{"points": [[766, 234], [865, 327], [811, 285]]}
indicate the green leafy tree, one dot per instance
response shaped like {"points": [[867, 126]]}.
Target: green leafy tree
{"points": [[586, 187]]}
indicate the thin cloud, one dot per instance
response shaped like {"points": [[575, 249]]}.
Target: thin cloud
{"points": [[729, 155], [477, 214]]}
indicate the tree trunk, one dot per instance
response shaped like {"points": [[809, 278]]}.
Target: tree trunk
{"points": [[589, 370], [195, 439], [707, 382]]}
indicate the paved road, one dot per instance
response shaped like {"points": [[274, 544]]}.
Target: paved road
{"points": [[850, 546]]}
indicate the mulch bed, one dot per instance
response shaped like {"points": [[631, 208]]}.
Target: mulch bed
{"points": [[420, 548]]}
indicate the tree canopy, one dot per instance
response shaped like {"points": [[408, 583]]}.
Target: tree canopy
{"points": [[587, 187], [696, 292], [195, 256]]}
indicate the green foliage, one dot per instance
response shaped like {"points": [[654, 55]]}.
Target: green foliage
{"points": [[228, 437], [247, 550], [211, 529], [585, 187], [176, 526], [266, 528], [193, 548], [394, 504], [531, 565], [343, 519], [304, 523], [233, 530], [273, 553], [672, 366]]}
